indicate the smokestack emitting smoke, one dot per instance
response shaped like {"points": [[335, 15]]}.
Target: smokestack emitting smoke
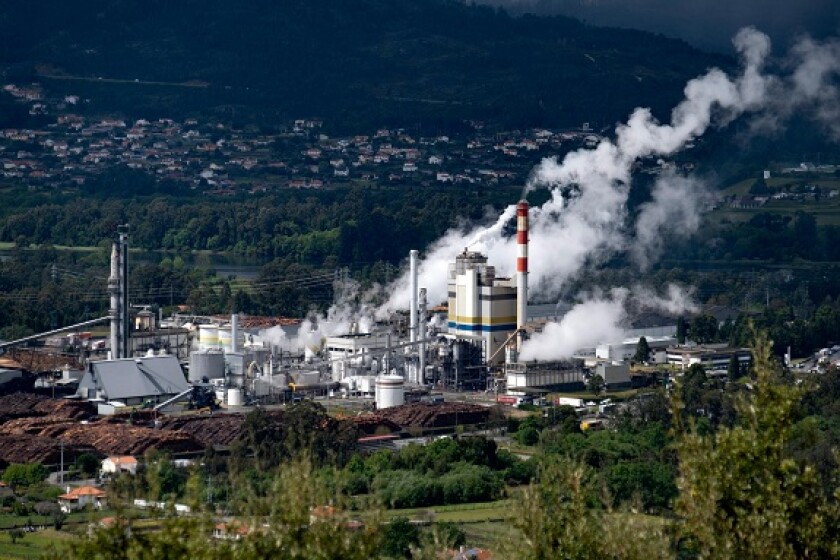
{"points": [[413, 311], [589, 224], [521, 268]]}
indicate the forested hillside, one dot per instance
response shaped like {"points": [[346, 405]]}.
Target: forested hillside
{"points": [[355, 63]]}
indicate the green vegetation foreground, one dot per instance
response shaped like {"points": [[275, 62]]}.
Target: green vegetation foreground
{"points": [[742, 493]]}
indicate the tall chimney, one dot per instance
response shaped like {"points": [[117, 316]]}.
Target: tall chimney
{"points": [[413, 326], [521, 268], [422, 335], [114, 291], [125, 311]]}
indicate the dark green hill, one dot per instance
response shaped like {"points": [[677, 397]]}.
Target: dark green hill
{"points": [[358, 62]]}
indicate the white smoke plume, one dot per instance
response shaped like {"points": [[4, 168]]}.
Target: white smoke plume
{"points": [[674, 212], [568, 232], [601, 318], [585, 217], [351, 312], [675, 301], [587, 324]]}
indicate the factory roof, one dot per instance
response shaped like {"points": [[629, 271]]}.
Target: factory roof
{"points": [[135, 377]]}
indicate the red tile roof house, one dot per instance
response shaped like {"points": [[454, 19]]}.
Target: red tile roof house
{"points": [[117, 464], [80, 497]]}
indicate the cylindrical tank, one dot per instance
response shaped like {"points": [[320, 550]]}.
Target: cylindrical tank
{"points": [[209, 364], [208, 337], [306, 378], [236, 380], [225, 340], [366, 384], [390, 391], [234, 397]]}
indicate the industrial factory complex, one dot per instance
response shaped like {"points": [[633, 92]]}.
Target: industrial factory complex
{"points": [[395, 373], [208, 361]]}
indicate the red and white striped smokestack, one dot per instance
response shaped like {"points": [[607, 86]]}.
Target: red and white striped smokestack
{"points": [[521, 266]]}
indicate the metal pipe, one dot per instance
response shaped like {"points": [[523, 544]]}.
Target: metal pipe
{"points": [[422, 335], [234, 332], [521, 268], [56, 331], [125, 313], [413, 305]]}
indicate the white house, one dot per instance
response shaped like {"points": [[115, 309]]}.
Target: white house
{"points": [[82, 496], [118, 464]]}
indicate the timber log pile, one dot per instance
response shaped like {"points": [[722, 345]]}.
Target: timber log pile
{"points": [[33, 428], [27, 405], [425, 415], [219, 429], [25, 448], [375, 424]]}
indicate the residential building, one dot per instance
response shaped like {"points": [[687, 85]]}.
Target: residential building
{"points": [[79, 498], [118, 464]]}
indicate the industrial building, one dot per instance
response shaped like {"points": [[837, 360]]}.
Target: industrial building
{"points": [[482, 307], [714, 358], [624, 350], [133, 381]]}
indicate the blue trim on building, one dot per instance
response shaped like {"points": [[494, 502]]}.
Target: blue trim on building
{"points": [[482, 328]]}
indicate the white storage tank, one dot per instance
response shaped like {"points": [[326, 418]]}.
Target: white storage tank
{"points": [[208, 337], [225, 339], [390, 391], [234, 397], [208, 363], [366, 384]]}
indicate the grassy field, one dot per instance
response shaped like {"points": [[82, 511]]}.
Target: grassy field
{"points": [[459, 513], [827, 212], [9, 520], [32, 545]]}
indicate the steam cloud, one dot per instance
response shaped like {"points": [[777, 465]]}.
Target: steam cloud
{"points": [[352, 309], [570, 232]]}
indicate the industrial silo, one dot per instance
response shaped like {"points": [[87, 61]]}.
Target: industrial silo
{"points": [[208, 337], [390, 391], [209, 364]]}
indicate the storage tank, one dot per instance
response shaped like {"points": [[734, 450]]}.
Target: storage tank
{"points": [[208, 363], [234, 397], [208, 337], [366, 384], [390, 391], [306, 378], [225, 339]]}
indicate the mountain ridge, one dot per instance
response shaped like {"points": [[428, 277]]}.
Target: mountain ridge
{"points": [[399, 61]]}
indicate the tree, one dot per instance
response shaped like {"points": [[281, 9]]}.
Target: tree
{"points": [[15, 535], [58, 519], [642, 354], [692, 388], [88, 464], [399, 537], [682, 329], [741, 494], [733, 371], [289, 530], [558, 522], [595, 385], [24, 474], [46, 509], [703, 329]]}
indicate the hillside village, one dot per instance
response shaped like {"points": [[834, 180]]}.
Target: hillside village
{"points": [[216, 159]]}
